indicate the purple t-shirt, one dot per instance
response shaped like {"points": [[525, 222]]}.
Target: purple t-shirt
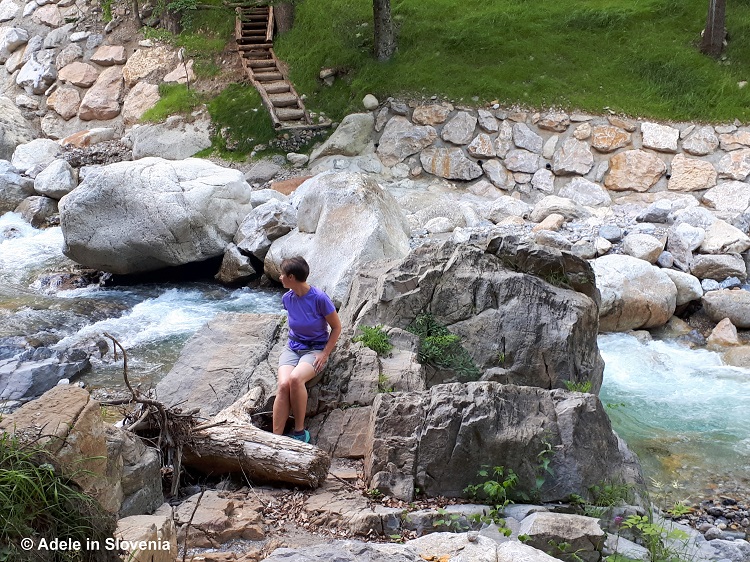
{"points": [[308, 328]]}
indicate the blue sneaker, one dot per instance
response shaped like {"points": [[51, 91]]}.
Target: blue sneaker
{"points": [[303, 436]]}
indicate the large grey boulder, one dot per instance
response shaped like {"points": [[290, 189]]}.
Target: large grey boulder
{"points": [[581, 534], [516, 325], [153, 213], [438, 440], [724, 303], [350, 138], [13, 187], [635, 294], [35, 371], [222, 361], [174, 139], [14, 128], [344, 220]]}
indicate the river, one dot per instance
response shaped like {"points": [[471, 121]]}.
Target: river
{"points": [[684, 413]]}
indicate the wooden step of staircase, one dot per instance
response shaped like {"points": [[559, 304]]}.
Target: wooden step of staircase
{"points": [[254, 35]]}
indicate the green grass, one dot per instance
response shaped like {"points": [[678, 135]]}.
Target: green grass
{"points": [[175, 99], [637, 57], [38, 501]]}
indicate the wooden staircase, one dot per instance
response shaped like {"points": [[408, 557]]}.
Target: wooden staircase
{"points": [[254, 34]]}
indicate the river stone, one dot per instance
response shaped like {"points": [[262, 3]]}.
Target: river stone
{"points": [[504, 139], [175, 139], [718, 267], [691, 174], [13, 187], [643, 246], [431, 114], [401, 139], [454, 546], [701, 142], [49, 15], [657, 212], [141, 97], [37, 74], [56, 180], [688, 286], [737, 356], [346, 551], [487, 121], [606, 138], [482, 146], [412, 430], [548, 150], [148, 63], [559, 205], [498, 175], [57, 37], [35, 154], [573, 157], [68, 55], [660, 137], [79, 74], [585, 192], [74, 433], [519, 160], [8, 10], [582, 131], [698, 217], [102, 100], [65, 102], [153, 213], [731, 196], [556, 121], [634, 170], [525, 138], [552, 222], [724, 334], [507, 206], [735, 140], [336, 206], [635, 294], [449, 163], [447, 271], [460, 129], [221, 361], [513, 551], [583, 534], [723, 238], [735, 165], [37, 210], [264, 224], [11, 39], [543, 181], [235, 267], [350, 138], [14, 129], [731, 304]]}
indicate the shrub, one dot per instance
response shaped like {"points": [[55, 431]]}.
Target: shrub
{"points": [[441, 349]]}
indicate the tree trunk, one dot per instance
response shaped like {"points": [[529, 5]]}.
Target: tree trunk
{"points": [[712, 42], [283, 14], [385, 38], [236, 445]]}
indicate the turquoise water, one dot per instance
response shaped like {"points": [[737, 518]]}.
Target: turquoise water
{"points": [[685, 413]]}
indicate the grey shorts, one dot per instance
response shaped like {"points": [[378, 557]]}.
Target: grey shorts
{"points": [[293, 358]]}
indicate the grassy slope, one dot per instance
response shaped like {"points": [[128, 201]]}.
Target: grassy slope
{"points": [[633, 56]]}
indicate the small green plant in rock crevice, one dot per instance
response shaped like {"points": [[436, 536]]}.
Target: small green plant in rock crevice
{"points": [[450, 522], [442, 349], [496, 489], [578, 386], [375, 338]]}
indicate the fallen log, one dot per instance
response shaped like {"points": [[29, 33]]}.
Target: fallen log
{"points": [[230, 446]]}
